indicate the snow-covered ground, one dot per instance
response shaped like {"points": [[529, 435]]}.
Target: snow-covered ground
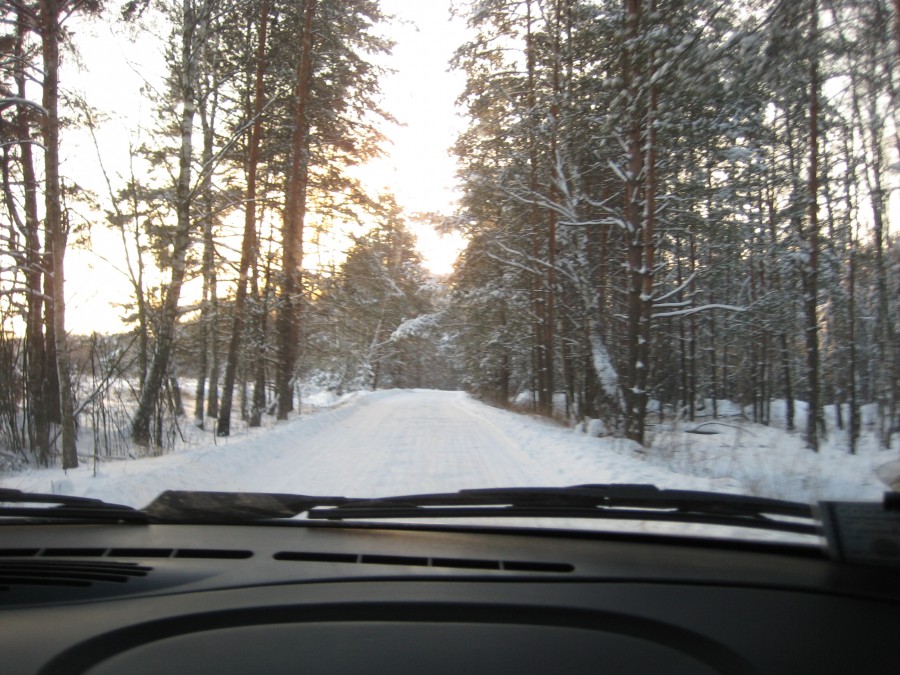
{"points": [[413, 441], [768, 461]]}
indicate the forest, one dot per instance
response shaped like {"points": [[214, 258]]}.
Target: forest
{"points": [[667, 204]]}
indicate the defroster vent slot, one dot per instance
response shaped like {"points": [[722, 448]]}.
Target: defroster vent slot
{"points": [[424, 561]]}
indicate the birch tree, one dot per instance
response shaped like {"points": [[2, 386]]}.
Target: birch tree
{"points": [[194, 24]]}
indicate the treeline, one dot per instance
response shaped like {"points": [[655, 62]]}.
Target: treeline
{"points": [[672, 202], [668, 203], [243, 169]]}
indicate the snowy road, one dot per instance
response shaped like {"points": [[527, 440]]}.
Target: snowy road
{"points": [[375, 444], [408, 441]]}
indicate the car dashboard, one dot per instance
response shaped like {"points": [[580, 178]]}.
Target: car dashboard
{"points": [[375, 598]]}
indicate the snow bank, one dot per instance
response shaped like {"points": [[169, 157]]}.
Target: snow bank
{"points": [[403, 441]]}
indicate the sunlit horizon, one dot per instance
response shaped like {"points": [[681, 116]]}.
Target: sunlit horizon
{"points": [[416, 166]]}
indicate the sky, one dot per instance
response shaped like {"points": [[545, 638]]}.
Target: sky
{"points": [[421, 94], [417, 166]]}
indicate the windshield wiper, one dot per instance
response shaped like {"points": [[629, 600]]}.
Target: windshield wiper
{"points": [[614, 502], [171, 506], [230, 507], [34, 505]]}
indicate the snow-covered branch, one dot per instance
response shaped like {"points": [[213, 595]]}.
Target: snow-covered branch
{"points": [[675, 291], [7, 101], [694, 310], [416, 327]]}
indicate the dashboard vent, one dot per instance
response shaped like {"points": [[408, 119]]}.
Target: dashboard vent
{"points": [[34, 576], [422, 561], [66, 573], [200, 553]]}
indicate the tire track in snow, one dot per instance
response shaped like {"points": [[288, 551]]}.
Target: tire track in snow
{"points": [[375, 444], [397, 442]]}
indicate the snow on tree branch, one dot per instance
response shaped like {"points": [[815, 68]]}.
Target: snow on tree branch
{"points": [[416, 327], [694, 310]]}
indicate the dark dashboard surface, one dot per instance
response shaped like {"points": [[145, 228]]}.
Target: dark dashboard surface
{"points": [[278, 599]]}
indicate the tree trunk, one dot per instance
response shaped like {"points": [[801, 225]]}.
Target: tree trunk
{"points": [[692, 340], [549, 319], [56, 230], [202, 354], [136, 276], [897, 26], [192, 34], [811, 265], [212, 386], [649, 255], [202, 367], [541, 359], [851, 366], [294, 217], [209, 314], [206, 328], [248, 243], [36, 364], [638, 239], [261, 335]]}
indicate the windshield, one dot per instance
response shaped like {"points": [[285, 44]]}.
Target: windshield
{"points": [[362, 248]]}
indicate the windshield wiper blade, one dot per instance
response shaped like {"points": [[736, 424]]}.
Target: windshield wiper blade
{"points": [[171, 506], [614, 502], [65, 507], [230, 507]]}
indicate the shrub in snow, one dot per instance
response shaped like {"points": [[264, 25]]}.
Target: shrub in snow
{"points": [[597, 428]]}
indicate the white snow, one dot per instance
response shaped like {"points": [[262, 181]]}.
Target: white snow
{"points": [[374, 444], [609, 378], [414, 327], [414, 441]]}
